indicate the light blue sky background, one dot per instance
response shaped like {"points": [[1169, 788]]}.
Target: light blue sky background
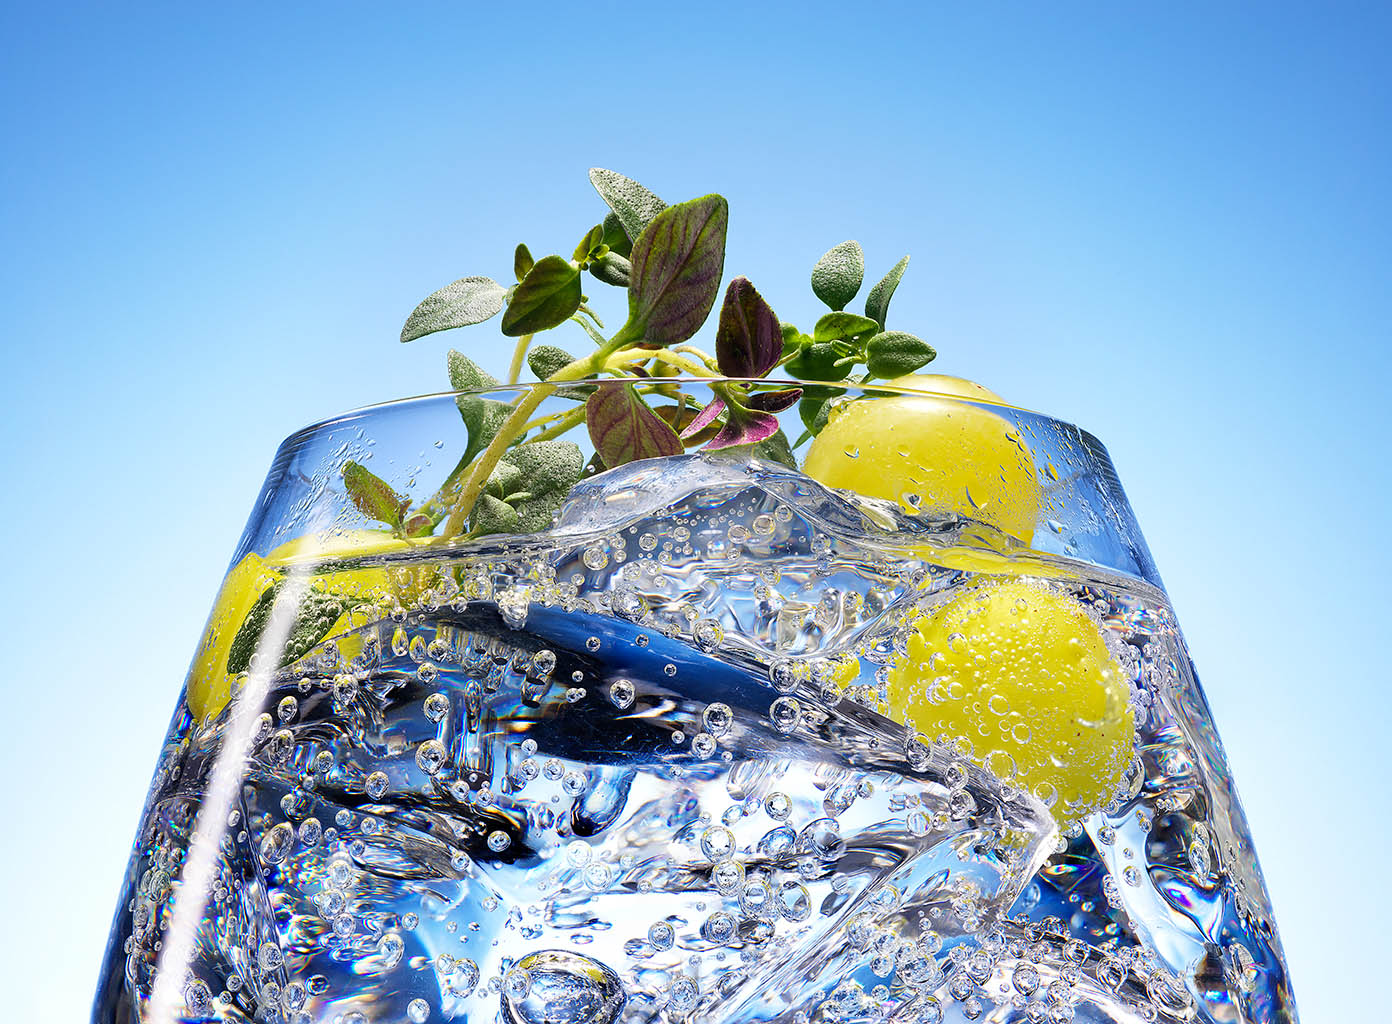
{"points": [[1169, 223]]}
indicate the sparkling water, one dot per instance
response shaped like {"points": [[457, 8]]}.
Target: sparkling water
{"points": [[641, 768]]}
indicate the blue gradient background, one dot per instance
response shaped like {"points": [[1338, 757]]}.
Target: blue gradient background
{"points": [[1167, 223]]}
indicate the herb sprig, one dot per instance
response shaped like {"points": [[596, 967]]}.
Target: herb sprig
{"points": [[516, 468]]}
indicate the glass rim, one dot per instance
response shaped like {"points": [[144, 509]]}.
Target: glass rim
{"points": [[523, 387]]}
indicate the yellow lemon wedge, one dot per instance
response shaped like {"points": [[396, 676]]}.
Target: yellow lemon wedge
{"points": [[932, 454], [210, 684], [1025, 677]]}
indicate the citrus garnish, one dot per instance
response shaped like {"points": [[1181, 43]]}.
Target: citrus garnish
{"points": [[1025, 678], [932, 454], [215, 670]]}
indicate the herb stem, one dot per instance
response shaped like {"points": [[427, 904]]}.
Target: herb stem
{"points": [[519, 354], [661, 355], [517, 419]]}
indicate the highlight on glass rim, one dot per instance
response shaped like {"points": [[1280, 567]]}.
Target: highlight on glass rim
{"points": [[753, 677]]}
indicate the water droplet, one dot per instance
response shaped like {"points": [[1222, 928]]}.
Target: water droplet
{"points": [[785, 713], [561, 987], [708, 635], [431, 757], [621, 693], [277, 843], [418, 1010], [717, 718], [376, 785], [498, 841], [391, 948], [437, 706], [661, 935]]}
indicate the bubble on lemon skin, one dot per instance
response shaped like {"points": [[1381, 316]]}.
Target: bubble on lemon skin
{"points": [[1023, 676], [932, 455]]}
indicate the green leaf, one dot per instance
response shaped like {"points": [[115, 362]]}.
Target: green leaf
{"points": [[470, 300], [843, 326], [492, 515], [372, 495], [837, 276], [818, 361], [614, 235], [611, 268], [546, 298], [623, 428], [892, 354], [547, 467], [537, 513], [545, 360], [313, 619], [775, 449], [482, 416], [633, 205], [677, 263], [522, 261], [593, 239], [877, 302]]}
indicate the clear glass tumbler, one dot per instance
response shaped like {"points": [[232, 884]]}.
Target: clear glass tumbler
{"points": [[701, 738]]}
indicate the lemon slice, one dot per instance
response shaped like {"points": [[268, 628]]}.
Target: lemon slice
{"points": [[210, 684], [932, 454], [1025, 678]]}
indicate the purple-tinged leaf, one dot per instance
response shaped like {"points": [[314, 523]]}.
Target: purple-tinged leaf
{"points": [[749, 340], [774, 401], [744, 427], [623, 428], [372, 495], [677, 263], [704, 418]]}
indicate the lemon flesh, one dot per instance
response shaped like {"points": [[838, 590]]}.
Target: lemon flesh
{"points": [[210, 685], [1025, 678], [932, 454]]}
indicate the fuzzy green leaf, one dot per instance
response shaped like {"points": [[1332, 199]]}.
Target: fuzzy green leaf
{"points": [[547, 467], [892, 354], [372, 495], [877, 302], [470, 300], [313, 619], [482, 416], [837, 276], [546, 298], [614, 235], [545, 360], [522, 261], [818, 361], [633, 205], [623, 428], [843, 326], [611, 268], [677, 263], [492, 515]]}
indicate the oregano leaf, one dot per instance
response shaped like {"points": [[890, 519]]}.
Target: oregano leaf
{"points": [[614, 235], [492, 515], [545, 360], [548, 466], [774, 401], [372, 495], [470, 300], [743, 426], [837, 276], [623, 428], [314, 618], [877, 302], [748, 340], [818, 361], [840, 326], [891, 354], [482, 416], [522, 261], [546, 298], [677, 263], [593, 239], [633, 205], [611, 268]]}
